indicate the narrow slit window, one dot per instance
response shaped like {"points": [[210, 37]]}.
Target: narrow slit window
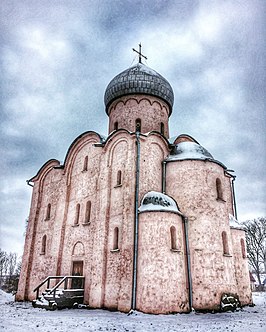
{"points": [[48, 212], [88, 212], [119, 178], [116, 125], [85, 164], [138, 125], [43, 249], [225, 243], [173, 237], [243, 248], [115, 240], [219, 190], [77, 214], [162, 128]]}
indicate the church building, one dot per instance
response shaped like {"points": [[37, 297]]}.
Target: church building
{"points": [[150, 222]]}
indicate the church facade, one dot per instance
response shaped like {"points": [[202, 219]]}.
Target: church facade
{"points": [[148, 221]]}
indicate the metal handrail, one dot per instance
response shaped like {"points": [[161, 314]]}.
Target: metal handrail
{"points": [[43, 282], [46, 279], [64, 279]]}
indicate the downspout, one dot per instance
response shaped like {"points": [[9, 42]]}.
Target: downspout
{"points": [[188, 261], [227, 172], [164, 176], [234, 196], [185, 222], [136, 227]]}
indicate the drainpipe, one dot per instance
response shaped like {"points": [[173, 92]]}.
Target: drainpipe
{"points": [[136, 226], [185, 222], [164, 176], [190, 300], [233, 189], [234, 196]]}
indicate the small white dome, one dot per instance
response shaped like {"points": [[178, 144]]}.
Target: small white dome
{"points": [[155, 201]]}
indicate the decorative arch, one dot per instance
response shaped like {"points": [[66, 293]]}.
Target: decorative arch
{"points": [[138, 101], [184, 138], [49, 166], [113, 147], [87, 138], [157, 144], [78, 249], [162, 138]]}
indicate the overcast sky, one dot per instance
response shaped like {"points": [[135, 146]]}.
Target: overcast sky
{"points": [[57, 58]]}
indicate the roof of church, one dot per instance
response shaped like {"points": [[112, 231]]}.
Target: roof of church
{"points": [[139, 79], [189, 150]]}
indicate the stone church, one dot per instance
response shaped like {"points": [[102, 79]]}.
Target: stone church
{"points": [[150, 222]]}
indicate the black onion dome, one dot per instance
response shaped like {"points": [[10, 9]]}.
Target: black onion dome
{"points": [[139, 79]]}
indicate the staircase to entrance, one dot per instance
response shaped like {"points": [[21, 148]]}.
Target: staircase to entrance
{"points": [[58, 292]]}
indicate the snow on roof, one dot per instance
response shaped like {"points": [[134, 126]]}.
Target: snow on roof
{"points": [[234, 223], [155, 201], [189, 150]]}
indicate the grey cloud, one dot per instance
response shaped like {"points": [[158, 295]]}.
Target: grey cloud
{"points": [[57, 59]]}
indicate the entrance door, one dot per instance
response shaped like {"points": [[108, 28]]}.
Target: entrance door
{"points": [[77, 270]]}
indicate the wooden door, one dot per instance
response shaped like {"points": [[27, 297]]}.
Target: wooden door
{"points": [[77, 270]]}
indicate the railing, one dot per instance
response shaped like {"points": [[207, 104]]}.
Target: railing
{"points": [[64, 279]]}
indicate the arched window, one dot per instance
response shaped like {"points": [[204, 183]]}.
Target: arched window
{"points": [[77, 214], [162, 128], [243, 248], [225, 243], [119, 178], [88, 212], [173, 237], [116, 125], [138, 125], [219, 190], [116, 237], [85, 164], [43, 249], [48, 212]]}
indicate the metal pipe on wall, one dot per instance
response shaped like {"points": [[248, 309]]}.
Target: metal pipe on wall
{"points": [[136, 226], [185, 221], [234, 196], [164, 176]]}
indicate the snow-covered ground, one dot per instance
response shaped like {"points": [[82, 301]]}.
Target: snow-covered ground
{"points": [[21, 316]]}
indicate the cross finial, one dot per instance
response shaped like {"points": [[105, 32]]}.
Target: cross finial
{"points": [[139, 53]]}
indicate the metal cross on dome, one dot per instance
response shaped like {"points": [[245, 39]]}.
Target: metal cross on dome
{"points": [[139, 53]]}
